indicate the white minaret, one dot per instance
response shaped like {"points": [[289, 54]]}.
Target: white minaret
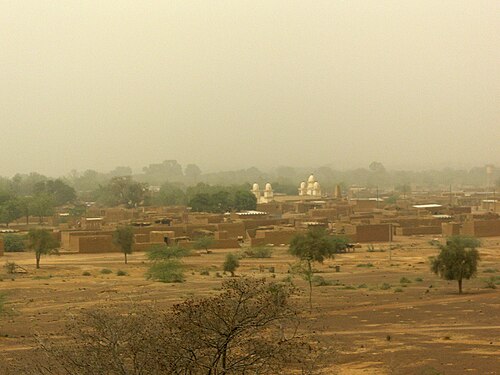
{"points": [[310, 184], [256, 191]]}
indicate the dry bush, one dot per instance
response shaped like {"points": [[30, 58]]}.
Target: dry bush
{"points": [[249, 328]]}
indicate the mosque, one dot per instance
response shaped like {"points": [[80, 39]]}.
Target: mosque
{"points": [[266, 197], [310, 189]]}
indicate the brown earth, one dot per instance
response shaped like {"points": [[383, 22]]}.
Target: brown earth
{"points": [[420, 327]]}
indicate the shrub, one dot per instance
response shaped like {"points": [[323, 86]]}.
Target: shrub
{"points": [[168, 271], [490, 270], [419, 279], [10, 267], [398, 290], [13, 243], [163, 252], [86, 273], [231, 263], [259, 252], [348, 287], [121, 273], [106, 271], [2, 301], [361, 286], [385, 286], [320, 281], [490, 283], [404, 280], [367, 265], [205, 273]]}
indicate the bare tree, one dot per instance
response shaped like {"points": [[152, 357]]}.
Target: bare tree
{"points": [[249, 328]]}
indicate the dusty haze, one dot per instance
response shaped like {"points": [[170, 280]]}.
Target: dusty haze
{"points": [[226, 84]]}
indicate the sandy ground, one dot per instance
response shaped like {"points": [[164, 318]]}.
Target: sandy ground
{"points": [[420, 327]]}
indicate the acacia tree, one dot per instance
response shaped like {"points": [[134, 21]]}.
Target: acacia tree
{"points": [[457, 260], [165, 263], [313, 246], [42, 242], [204, 243], [124, 239]]}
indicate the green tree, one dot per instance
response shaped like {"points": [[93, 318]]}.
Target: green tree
{"points": [[42, 205], [457, 260], [231, 263], [313, 246], [123, 237], [122, 190], [13, 243], [192, 173], [201, 202], [10, 211], [167, 271], [203, 243], [42, 242], [170, 194], [244, 200], [162, 252]]}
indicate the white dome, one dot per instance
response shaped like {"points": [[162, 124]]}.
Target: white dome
{"points": [[269, 187], [311, 179], [302, 185], [255, 187], [316, 185]]}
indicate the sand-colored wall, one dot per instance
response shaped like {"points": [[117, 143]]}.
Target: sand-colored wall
{"points": [[234, 230], [410, 231], [272, 237], [481, 228], [96, 244], [373, 233], [450, 229]]}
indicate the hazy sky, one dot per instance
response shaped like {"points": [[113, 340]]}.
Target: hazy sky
{"points": [[232, 84]]}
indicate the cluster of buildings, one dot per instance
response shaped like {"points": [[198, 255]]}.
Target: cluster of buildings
{"points": [[360, 214]]}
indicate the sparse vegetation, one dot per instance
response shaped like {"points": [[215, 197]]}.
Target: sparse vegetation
{"points": [[106, 271], [121, 273], [321, 281], [10, 267], [259, 252], [491, 270], [490, 283], [404, 280], [86, 273], [385, 286], [365, 265]]}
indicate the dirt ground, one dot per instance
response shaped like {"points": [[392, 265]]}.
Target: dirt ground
{"points": [[371, 320]]}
